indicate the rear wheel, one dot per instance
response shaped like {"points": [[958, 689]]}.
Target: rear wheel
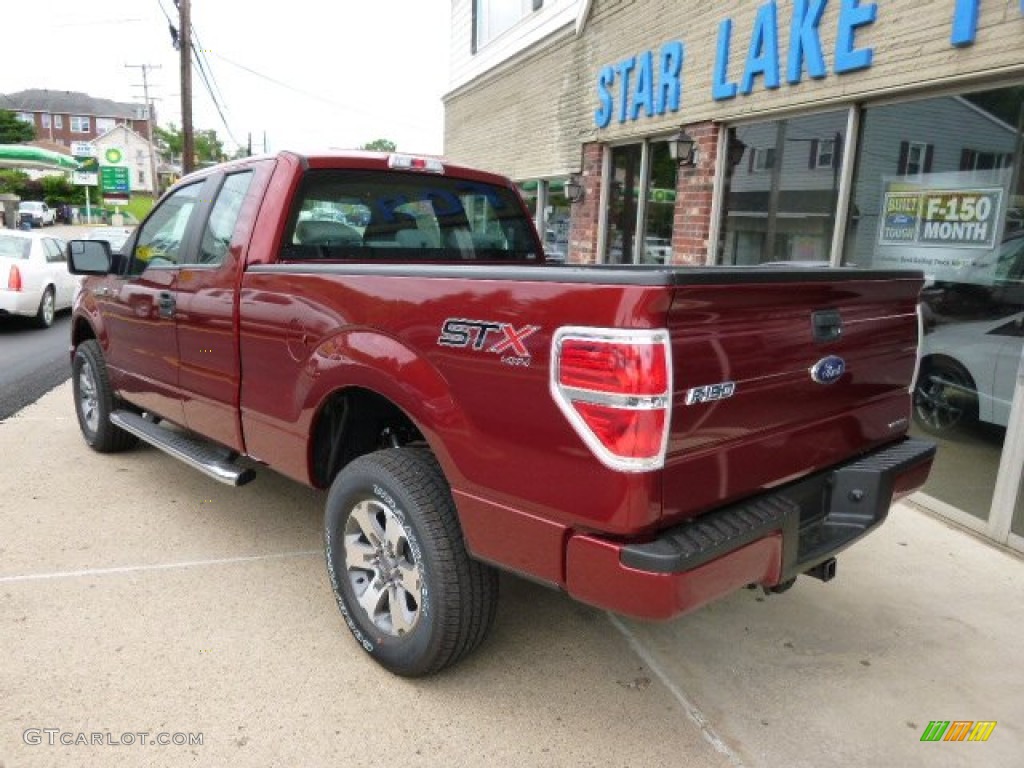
{"points": [[409, 592], [946, 398], [94, 401], [44, 315]]}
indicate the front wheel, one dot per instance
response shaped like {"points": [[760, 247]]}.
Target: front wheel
{"points": [[946, 398], [94, 400], [409, 592]]}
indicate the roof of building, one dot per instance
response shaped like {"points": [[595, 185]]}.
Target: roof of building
{"points": [[120, 129], [70, 103]]}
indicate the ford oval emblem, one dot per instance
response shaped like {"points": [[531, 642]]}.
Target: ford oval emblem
{"points": [[828, 370]]}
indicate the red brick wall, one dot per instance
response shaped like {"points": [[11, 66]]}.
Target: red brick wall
{"points": [[586, 214], [695, 189]]}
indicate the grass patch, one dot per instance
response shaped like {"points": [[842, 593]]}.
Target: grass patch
{"points": [[139, 206]]}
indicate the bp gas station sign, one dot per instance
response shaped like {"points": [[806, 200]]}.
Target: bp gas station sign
{"points": [[114, 178], [115, 175]]}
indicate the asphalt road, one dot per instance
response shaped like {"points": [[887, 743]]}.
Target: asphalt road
{"points": [[32, 361]]}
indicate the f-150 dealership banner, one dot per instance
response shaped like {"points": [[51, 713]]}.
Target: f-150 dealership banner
{"points": [[944, 218], [941, 223]]}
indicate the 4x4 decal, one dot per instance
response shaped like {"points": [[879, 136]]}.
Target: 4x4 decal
{"points": [[483, 336]]}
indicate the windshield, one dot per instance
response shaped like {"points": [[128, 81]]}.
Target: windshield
{"points": [[30, 206], [379, 215]]}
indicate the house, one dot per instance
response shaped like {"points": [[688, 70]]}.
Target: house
{"points": [[123, 146], [66, 116]]}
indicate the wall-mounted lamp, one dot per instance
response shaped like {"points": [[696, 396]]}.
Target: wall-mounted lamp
{"points": [[574, 189], [683, 149]]}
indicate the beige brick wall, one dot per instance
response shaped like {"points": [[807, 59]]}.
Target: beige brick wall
{"points": [[531, 116]]}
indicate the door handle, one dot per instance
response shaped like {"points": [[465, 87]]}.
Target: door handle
{"points": [[166, 304]]}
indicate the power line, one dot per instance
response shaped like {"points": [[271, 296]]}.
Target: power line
{"points": [[204, 62], [311, 95], [216, 104], [205, 71]]}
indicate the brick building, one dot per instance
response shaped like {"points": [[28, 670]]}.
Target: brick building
{"points": [[62, 117], [832, 132]]}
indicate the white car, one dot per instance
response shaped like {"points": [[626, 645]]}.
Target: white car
{"points": [[36, 213], [34, 277], [657, 250], [968, 373], [116, 236]]}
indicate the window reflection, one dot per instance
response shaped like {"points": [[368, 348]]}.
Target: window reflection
{"points": [[938, 188], [783, 190]]}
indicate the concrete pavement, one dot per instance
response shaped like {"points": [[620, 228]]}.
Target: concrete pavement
{"points": [[137, 596]]}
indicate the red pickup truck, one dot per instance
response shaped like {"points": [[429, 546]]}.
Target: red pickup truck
{"points": [[647, 439]]}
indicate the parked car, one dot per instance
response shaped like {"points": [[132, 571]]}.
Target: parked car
{"points": [[36, 213], [657, 250], [968, 372], [34, 277], [116, 236]]}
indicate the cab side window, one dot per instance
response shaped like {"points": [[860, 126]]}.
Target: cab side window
{"points": [[221, 225], [161, 238]]}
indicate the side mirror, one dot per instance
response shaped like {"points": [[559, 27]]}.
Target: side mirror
{"points": [[89, 257]]}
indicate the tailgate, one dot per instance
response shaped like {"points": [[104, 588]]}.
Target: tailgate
{"points": [[781, 373]]}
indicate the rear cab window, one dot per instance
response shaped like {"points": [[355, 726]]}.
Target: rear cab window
{"points": [[15, 247], [394, 216]]}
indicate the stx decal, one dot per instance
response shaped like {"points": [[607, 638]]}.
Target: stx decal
{"points": [[486, 336]]}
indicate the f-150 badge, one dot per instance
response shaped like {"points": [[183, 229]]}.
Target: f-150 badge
{"points": [[710, 392], [487, 336]]}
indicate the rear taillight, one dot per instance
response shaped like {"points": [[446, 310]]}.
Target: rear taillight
{"points": [[615, 387], [14, 279]]}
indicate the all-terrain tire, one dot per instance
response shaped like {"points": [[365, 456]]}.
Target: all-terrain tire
{"points": [[94, 401], [407, 588]]}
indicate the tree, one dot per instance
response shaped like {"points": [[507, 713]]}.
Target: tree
{"points": [[380, 145], [13, 181], [13, 130], [209, 148], [58, 190]]}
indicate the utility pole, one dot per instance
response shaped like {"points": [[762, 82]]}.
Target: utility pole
{"points": [[149, 115], [188, 144]]}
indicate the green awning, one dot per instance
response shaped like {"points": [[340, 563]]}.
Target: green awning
{"points": [[28, 156]]}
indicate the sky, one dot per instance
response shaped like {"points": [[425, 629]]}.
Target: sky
{"points": [[302, 74]]}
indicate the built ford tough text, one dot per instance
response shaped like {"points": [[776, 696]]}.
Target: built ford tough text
{"points": [[647, 439]]}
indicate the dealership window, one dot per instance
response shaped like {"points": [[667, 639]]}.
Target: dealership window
{"points": [[950, 202], [79, 124], [641, 204], [552, 213], [781, 191], [493, 17]]}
